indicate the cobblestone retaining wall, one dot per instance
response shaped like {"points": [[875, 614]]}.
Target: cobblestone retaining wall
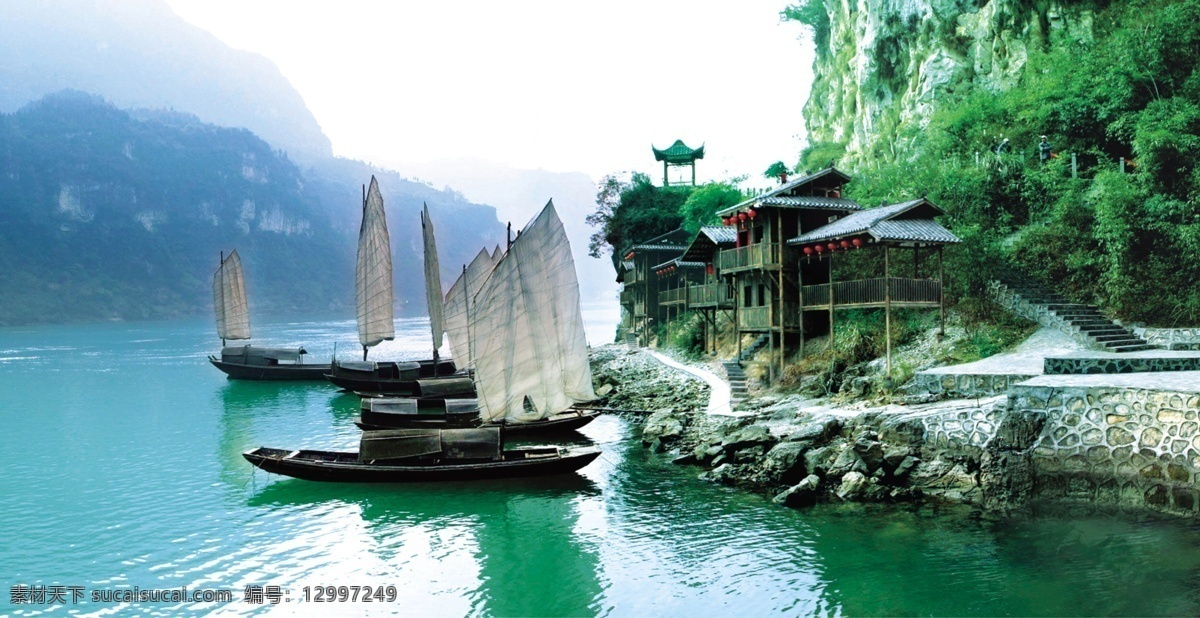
{"points": [[1131, 447], [1172, 338], [961, 385], [1078, 365]]}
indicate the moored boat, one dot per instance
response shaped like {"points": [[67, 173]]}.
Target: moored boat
{"points": [[398, 413], [403, 456], [374, 295], [233, 322]]}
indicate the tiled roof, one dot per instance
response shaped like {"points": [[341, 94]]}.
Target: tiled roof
{"points": [[675, 240], [830, 203], [880, 223], [679, 263], [720, 234], [678, 153], [787, 187], [627, 264]]}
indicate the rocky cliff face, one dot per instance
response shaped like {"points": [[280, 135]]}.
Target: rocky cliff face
{"points": [[883, 64]]}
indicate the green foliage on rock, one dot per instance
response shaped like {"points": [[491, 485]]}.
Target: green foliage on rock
{"points": [[1127, 241], [705, 202]]}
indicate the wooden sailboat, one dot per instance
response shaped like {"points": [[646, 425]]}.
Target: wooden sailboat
{"points": [[526, 334], [518, 323], [373, 291], [248, 362], [413, 455]]}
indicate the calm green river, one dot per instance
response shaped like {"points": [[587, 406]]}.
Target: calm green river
{"points": [[122, 469]]}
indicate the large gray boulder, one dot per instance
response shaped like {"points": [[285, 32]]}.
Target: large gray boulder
{"points": [[663, 427], [803, 493]]}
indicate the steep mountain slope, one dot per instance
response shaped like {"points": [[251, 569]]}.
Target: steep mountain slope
{"points": [[106, 214], [138, 53]]}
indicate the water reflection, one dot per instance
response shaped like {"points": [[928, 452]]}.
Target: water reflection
{"points": [[516, 544]]}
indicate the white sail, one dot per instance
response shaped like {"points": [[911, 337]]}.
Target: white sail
{"points": [[526, 329], [433, 282], [229, 299], [373, 280], [459, 300]]}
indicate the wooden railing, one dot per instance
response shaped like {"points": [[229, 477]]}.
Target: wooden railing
{"points": [[873, 292], [639, 308], [672, 297], [627, 297], [632, 276], [711, 295], [761, 255], [761, 318]]}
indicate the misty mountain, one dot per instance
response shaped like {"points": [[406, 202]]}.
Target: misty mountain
{"points": [[139, 54], [109, 214]]}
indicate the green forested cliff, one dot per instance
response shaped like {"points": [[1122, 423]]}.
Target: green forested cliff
{"points": [[109, 214], [916, 97]]}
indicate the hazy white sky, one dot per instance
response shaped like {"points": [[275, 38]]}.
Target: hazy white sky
{"points": [[558, 85]]}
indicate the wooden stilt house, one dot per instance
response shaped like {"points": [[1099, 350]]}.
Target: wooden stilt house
{"points": [[674, 278], [763, 268], [712, 293], [640, 281], [890, 230]]}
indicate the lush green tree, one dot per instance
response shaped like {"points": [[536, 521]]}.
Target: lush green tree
{"points": [[706, 201], [633, 211]]}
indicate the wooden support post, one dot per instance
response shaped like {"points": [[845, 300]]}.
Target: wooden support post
{"points": [[693, 172], [887, 307], [782, 312], [739, 294], [831, 303], [941, 295], [1122, 165], [666, 180], [916, 261], [1074, 166], [800, 300]]}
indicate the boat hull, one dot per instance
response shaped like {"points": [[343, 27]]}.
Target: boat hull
{"points": [[566, 421], [237, 371], [399, 379], [343, 467]]}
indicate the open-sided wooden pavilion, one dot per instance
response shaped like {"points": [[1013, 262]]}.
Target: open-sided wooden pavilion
{"points": [[890, 229]]}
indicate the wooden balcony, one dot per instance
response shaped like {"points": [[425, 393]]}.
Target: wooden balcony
{"points": [[713, 295], [761, 256], [677, 296], [761, 318], [632, 277], [627, 297], [873, 293]]}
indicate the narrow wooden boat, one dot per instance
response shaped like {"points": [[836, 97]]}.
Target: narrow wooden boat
{"points": [[247, 362], [425, 378], [407, 413], [405, 456], [254, 363]]}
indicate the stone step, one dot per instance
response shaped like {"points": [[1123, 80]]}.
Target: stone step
{"points": [[1078, 313], [1093, 325], [1057, 306], [1113, 337], [1120, 343], [1132, 348]]}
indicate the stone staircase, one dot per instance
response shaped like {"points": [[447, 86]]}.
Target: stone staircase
{"points": [[631, 339], [737, 382], [753, 349], [1084, 322]]}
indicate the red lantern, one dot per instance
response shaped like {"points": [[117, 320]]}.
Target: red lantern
{"points": [[808, 251], [741, 216], [753, 213], [833, 246], [709, 269], [845, 244], [836, 193], [724, 220], [820, 249], [857, 242]]}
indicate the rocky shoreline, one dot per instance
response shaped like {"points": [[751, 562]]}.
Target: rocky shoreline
{"points": [[984, 452]]}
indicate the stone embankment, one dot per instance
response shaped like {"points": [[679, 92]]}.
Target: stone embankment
{"points": [[1095, 442]]}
